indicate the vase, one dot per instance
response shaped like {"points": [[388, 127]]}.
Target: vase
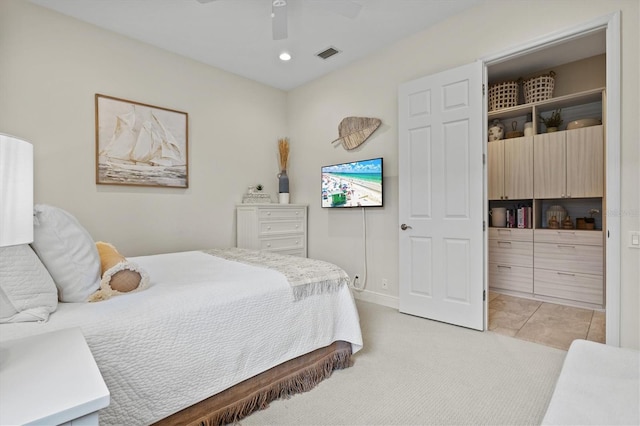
{"points": [[283, 182]]}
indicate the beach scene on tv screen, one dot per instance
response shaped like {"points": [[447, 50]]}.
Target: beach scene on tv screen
{"points": [[357, 184]]}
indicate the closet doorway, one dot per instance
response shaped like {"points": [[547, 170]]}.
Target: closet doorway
{"points": [[528, 262]]}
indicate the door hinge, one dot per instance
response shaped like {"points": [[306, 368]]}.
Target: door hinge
{"points": [[484, 159], [482, 89], [484, 295], [484, 225]]}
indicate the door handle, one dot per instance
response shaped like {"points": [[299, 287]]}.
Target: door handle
{"points": [[404, 227]]}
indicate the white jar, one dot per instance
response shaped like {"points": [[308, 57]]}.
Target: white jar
{"points": [[528, 129]]}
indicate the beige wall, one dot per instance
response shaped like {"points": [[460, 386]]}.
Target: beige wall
{"points": [[51, 66], [369, 88]]}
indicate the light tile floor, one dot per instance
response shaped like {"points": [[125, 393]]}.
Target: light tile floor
{"points": [[545, 323]]}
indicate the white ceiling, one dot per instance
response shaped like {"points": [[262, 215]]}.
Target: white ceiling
{"points": [[236, 35]]}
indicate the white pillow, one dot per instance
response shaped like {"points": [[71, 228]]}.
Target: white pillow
{"points": [[27, 291], [67, 251]]}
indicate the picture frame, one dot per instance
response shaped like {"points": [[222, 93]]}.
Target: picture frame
{"points": [[140, 144]]}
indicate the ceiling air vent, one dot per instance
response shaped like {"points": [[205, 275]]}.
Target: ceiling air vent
{"points": [[327, 53]]}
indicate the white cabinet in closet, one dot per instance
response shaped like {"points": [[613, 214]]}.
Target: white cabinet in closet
{"points": [[569, 164], [510, 169], [569, 265], [511, 259], [280, 228]]}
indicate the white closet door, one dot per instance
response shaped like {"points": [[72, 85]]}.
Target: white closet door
{"points": [[441, 197]]}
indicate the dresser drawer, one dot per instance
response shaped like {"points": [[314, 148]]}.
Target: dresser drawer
{"points": [[510, 277], [296, 242], [573, 286], [569, 258], [511, 234], [291, 252], [518, 253], [280, 213], [281, 227], [560, 236]]}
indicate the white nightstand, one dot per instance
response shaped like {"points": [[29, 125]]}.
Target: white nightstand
{"points": [[50, 379]]}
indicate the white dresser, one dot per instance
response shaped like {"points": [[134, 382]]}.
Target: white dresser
{"points": [[50, 379], [280, 228]]}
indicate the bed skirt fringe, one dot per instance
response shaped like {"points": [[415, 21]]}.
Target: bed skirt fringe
{"points": [[296, 376]]}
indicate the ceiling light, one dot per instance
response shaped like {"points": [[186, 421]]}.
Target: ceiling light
{"points": [[279, 3], [285, 56]]}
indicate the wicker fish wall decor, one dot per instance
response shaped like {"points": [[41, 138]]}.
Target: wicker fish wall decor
{"points": [[354, 131]]}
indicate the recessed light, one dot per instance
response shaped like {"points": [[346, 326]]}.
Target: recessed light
{"points": [[285, 56]]}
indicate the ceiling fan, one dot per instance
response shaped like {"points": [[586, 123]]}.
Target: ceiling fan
{"points": [[279, 21]]}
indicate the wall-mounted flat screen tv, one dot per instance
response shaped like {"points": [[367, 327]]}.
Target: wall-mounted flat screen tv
{"points": [[354, 184]]}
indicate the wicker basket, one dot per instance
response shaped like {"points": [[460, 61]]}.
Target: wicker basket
{"points": [[538, 88], [503, 95]]}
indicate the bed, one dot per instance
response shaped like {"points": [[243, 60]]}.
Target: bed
{"points": [[215, 335]]}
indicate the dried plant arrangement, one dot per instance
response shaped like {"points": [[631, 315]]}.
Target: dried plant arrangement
{"points": [[283, 150]]}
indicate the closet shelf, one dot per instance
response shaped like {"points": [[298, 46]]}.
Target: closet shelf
{"points": [[588, 96]]}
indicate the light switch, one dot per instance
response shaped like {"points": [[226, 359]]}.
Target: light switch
{"points": [[634, 240]]}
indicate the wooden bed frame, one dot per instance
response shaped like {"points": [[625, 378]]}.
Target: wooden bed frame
{"points": [[295, 376]]}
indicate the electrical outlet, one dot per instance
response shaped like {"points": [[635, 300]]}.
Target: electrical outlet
{"points": [[634, 239], [385, 284]]}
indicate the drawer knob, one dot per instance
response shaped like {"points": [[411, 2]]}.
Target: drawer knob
{"points": [[296, 226], [297, 242], [268, 244], [268, 213], [565, 246], [268, 228]]}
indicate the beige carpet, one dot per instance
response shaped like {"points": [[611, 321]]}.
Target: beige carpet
{"points": [[414, 371]]}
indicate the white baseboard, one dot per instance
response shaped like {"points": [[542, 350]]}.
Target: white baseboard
{"points": [[377, 298]]}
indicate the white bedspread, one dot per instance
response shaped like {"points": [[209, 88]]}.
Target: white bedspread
{"points": [[203, 325]]}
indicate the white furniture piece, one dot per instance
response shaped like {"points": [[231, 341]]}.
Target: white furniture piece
{"points": [[50, 379], [280, 228], [598, 385]]}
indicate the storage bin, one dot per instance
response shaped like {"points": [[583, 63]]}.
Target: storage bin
{"points": [[539, 88], [503, 95]]}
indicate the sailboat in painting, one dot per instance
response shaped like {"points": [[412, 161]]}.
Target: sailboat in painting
{"points": [[143, 151]]}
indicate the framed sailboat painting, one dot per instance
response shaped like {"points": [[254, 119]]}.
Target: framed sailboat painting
{"points": [[140, 144]]}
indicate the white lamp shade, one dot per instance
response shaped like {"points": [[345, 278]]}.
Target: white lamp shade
{"points": [[16, 191]]}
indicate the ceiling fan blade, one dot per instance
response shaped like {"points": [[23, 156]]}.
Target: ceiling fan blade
{"points": [[279, 21]]}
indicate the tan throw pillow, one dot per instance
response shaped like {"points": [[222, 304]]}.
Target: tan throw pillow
{"points": [[118, 274]]}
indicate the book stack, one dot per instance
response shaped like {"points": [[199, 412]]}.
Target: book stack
{"points": [[520, 217]]}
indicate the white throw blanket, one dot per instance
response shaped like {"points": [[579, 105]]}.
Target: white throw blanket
{"points": [[203, 325], [306, 276]]}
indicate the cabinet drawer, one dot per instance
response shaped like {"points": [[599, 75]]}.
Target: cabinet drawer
{"points": [[518, 253], [573, 286], [568, 237], [511, 234], [281, 227], [509, 277], [282, 243], [280, 213], [569, 258]]}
